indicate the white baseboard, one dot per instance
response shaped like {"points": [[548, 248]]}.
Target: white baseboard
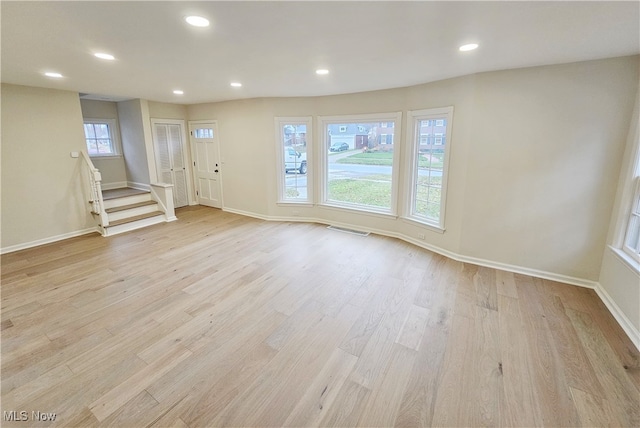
{"points": [[617, 313], [139, 186], [49, 240], [116, 185], [455, 256], [250, 214]]}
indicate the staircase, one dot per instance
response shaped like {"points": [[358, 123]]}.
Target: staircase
{"points": [[124, 209], [129, 209]]}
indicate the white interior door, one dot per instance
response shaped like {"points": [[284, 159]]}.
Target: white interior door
{"points": [[206, 163], [170, 160]]}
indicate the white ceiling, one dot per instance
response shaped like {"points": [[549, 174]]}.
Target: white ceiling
{"points": [[274, 48]]}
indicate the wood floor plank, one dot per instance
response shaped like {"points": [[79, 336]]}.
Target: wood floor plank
{"points": [[219, 319], [552, 392], [577, 367], [620, 391], [418, 404], [121, 394], [322, 392], [521, 407], [413, 327], [384, 402], [506, 284], [594, 411]]}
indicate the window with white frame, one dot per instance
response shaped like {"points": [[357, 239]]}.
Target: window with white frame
{"points": [[293, 148], [631, 244], [366, 178], [428, 164], [101, 137]]}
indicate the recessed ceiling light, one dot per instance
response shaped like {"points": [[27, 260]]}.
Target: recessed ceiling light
{"points": [[322, 71], [104, 56], [469, 47], [178, 92], [197, 21], [52, 74], [236, 84]]}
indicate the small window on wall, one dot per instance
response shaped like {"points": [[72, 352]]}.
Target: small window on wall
{"points": [[100, 137], [429, 159], [203, 133], [293, 152]]}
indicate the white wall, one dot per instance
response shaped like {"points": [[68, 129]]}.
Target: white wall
{"points": [[167, 111], [42, 194], [544, 159], [134, 120], [534, 164], [112, 169]]}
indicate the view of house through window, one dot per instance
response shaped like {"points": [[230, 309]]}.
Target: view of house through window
{"points": [[293, 146], [99, 136], [360, 162], [631, 244], [429, 160]]}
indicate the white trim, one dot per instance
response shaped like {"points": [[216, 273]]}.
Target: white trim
{"points": [[414, 222], [358, 210], [412, 141], [625, 323], [250, 214], [139, 186], [116, 185], [627, 178], [49, 240], [115, 137], [455, 256], [626, 259]]}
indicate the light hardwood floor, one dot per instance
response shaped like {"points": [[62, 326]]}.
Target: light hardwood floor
{"points": [[223, 320]]}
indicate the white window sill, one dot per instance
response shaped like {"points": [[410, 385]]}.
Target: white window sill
{"points": [[110, 157], [428, 226], [626, 259], [358, 210], [294, 203]]}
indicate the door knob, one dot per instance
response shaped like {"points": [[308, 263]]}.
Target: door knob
{"points": [[216, 170]]}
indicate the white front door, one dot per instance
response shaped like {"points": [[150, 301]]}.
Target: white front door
{"points": [[170, 159], [206, 163]]}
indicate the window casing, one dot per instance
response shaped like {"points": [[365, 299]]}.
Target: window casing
{"points": [[101, 137], [294, 153], [364, 179], [428, 165], [631, 244]]}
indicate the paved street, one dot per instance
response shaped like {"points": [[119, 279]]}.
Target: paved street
{"points": [[343, 170]]}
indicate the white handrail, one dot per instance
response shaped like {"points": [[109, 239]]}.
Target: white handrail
{"points": [[95, 190]]}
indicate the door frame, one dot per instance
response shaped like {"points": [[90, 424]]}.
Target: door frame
{"points": [[186, 152], [194, 177]]}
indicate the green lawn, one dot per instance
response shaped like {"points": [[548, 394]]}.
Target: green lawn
{"points": [[366, 192], [428, 197], [375, 191], [386, 159]]}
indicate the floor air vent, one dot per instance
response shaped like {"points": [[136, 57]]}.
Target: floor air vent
{"points": [[351, 231]]}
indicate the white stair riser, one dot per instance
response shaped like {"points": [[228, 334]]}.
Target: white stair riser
{"points": [[126, 227], [127, 200], [132, 212]]}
